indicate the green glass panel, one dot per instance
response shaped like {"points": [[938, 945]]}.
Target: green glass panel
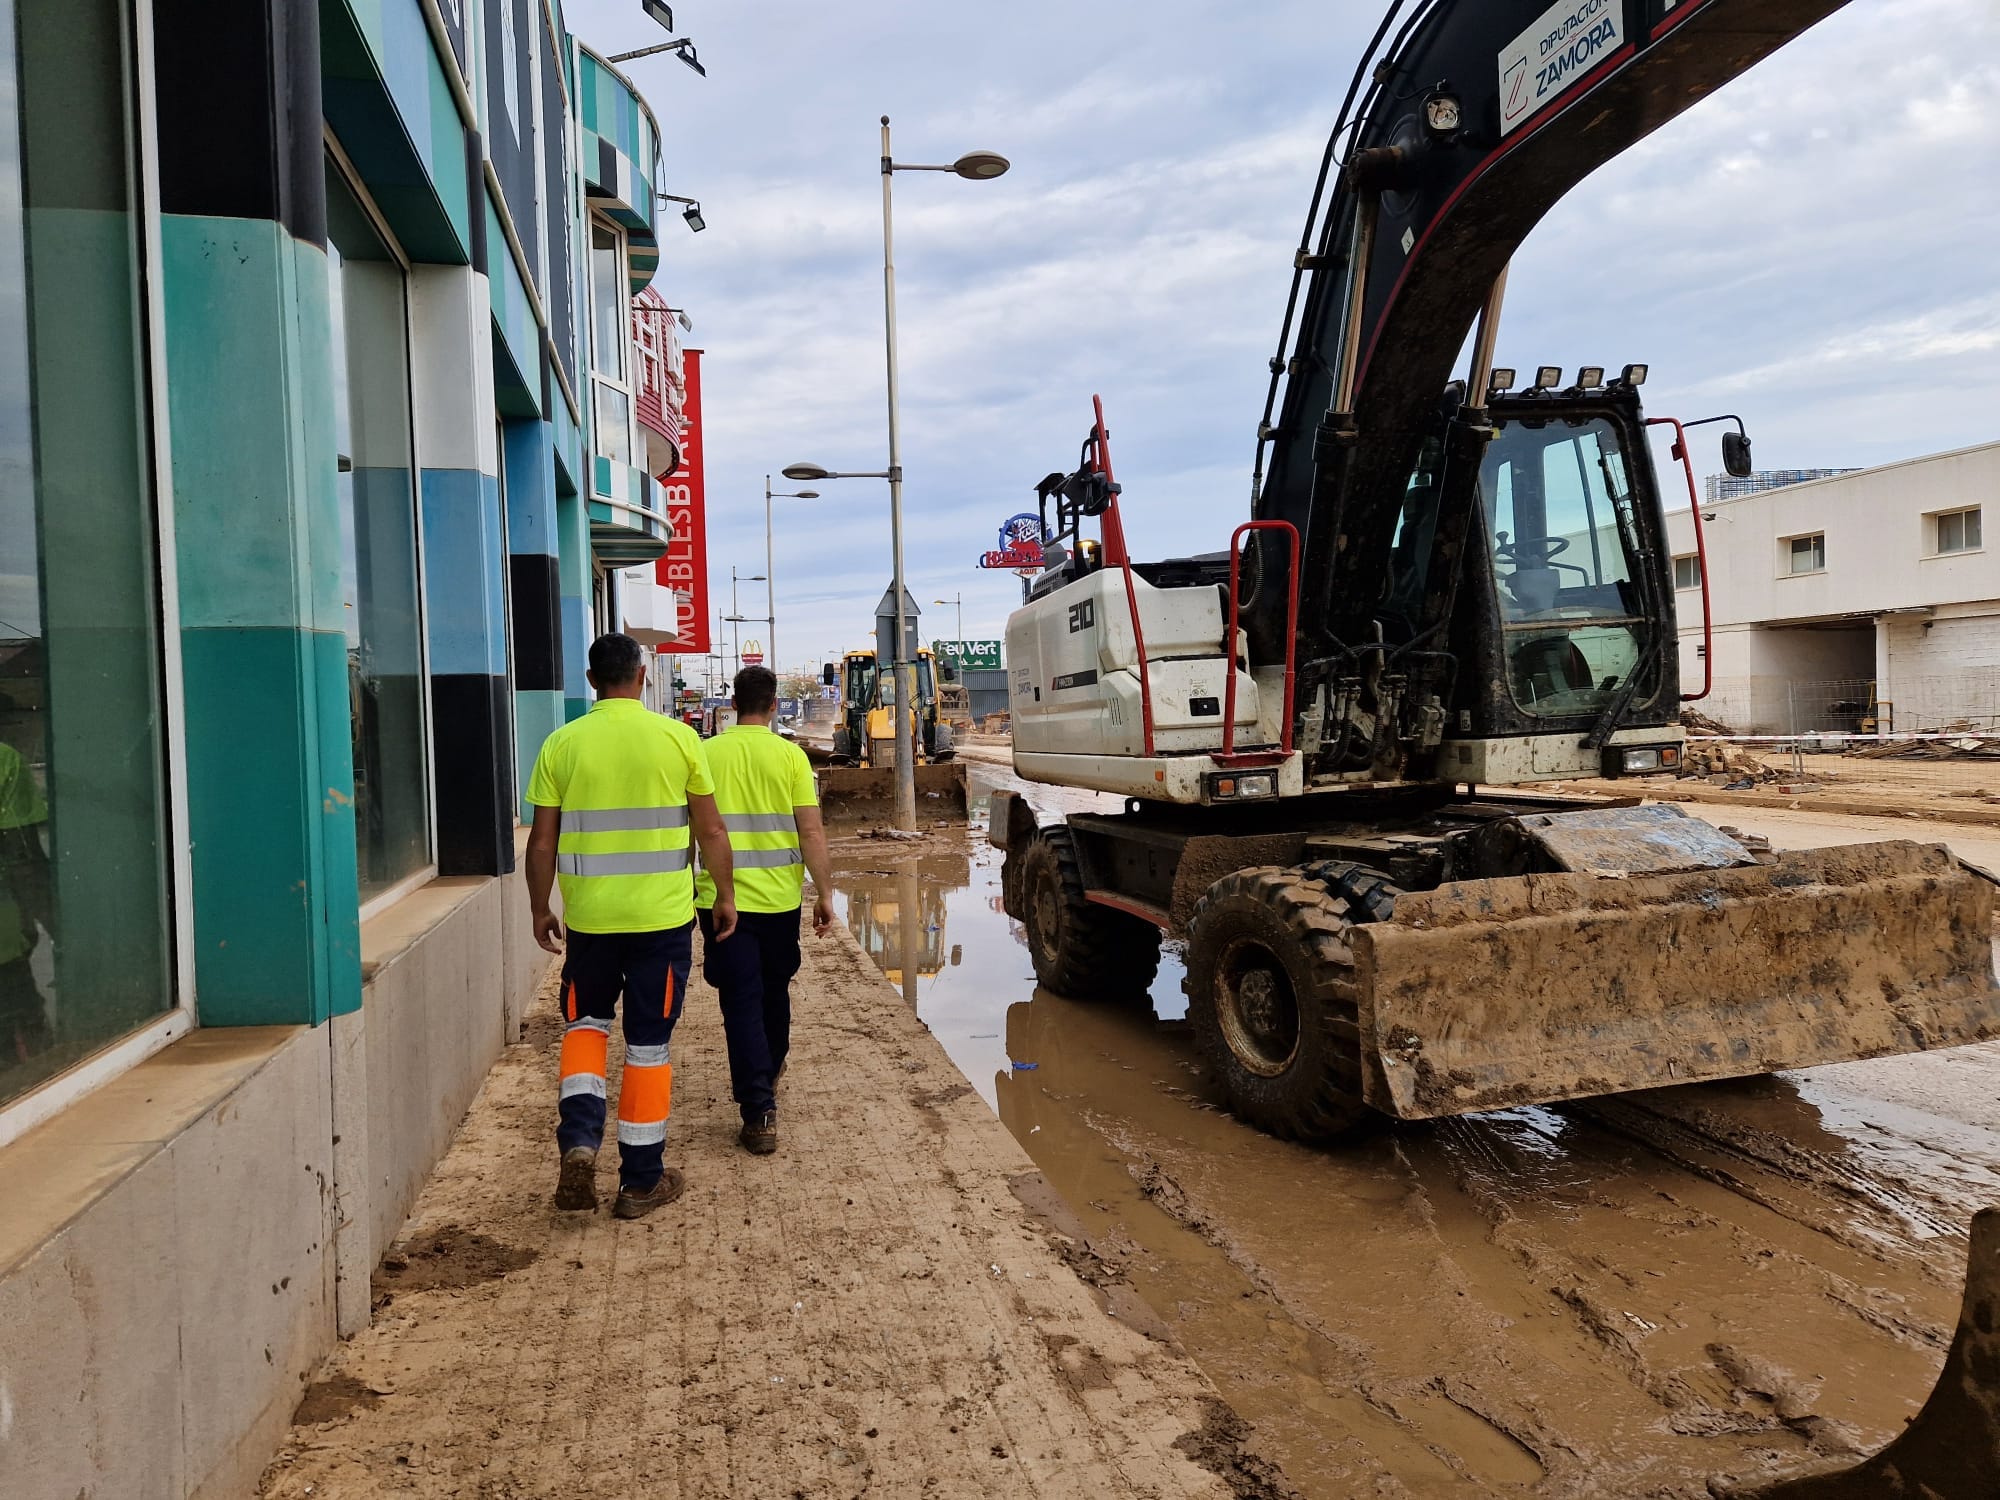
{"points": [[85, 924]]}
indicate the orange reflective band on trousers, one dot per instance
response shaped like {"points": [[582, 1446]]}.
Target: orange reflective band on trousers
{"points": [[645, 1097], [585, 1050]]}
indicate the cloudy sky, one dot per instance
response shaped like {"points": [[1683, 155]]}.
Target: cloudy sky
{"points": [[1816, 247]]}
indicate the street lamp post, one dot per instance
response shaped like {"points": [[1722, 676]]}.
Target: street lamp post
{"points": [[736, 615], [957, 601], [975, 166], [770, 573]]}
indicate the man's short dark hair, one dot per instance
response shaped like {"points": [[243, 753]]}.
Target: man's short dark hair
{"points": [[756, 690], [616, 660]]}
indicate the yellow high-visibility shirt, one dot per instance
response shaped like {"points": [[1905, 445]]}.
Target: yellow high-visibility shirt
{"points": [[21, 808], [621, 775], [760, 779]]}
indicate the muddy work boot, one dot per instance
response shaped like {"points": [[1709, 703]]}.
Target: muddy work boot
{"points": [[636, 1204], [576, 1184], [760, 1136]]}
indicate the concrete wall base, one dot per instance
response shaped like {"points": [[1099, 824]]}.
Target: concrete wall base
{"points": [[181, 1247]]}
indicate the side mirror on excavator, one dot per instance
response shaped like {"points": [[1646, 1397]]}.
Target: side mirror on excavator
{"points": [[828, 675], [1736, 455]]}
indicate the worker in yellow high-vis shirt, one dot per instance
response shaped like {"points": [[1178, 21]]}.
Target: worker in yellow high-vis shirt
{"points": [[765, 793], [617, 795]]}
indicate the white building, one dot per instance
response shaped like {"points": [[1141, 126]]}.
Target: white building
{"points": [[1867, 595]]}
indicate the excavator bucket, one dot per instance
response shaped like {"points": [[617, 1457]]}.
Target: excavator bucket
{"points": [[1952, 1446], [868, 793], [1487, 993]]}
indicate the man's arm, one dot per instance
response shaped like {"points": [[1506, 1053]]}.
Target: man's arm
{"points": [[812, 844], [542, 876], [715, 859]]}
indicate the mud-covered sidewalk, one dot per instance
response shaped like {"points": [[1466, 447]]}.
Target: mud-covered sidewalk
{"points": [[894, 1304]]}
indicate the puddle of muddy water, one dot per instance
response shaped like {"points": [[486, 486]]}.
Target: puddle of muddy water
{"points": [[1622, 1296], [928, 913]]}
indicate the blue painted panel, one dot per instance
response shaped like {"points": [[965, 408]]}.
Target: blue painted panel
{"points": [[493, 555], [461, 529], [527, 450]]}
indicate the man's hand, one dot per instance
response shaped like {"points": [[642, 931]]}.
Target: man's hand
{"points": [[822, 914], [725, 917], [549, 930]]}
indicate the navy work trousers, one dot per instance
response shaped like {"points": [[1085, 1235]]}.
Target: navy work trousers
{"points": [[648, 972], [752, 971]]}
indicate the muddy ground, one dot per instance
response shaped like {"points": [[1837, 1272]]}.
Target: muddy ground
{"points": [[1634, 1296], [895, 1305]]}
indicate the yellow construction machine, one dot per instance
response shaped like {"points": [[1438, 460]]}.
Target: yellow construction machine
{"points": [[862, 777]]}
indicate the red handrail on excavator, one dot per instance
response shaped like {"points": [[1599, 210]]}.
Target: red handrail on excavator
{"points": [[1291, 631], [1701, 555], [1115, 552]]}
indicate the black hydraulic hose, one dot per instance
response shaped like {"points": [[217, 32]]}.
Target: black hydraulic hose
{"points": [[1341, 123], [1349, 118]]}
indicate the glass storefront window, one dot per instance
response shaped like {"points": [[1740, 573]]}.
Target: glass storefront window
{"points": [[86, 919], [368, 296]]}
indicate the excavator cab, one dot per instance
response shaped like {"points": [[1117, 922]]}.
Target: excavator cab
{"points": [[1565, 628]]}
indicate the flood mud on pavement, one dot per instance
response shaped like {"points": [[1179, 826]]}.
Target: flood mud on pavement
{"points": [[1630, 1296]]}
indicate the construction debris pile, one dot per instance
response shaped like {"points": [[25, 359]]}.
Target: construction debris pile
{"points": [[1725, 765], [1955, 746]]}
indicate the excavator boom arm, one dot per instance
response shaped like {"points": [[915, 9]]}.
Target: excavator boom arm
{"points": [[1469, 120]]}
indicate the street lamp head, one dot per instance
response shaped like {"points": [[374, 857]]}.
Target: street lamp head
{"points": [[980, 166], [694, 219], [806, 495], [805, 472]]}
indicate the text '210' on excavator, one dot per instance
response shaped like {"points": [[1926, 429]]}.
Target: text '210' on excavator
{"points": [[1445, 587]]}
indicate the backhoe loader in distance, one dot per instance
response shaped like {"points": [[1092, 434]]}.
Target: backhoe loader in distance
{"points": [[1445, 587], [861, 779]]}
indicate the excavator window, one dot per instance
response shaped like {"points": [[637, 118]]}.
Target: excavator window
{"points": [[861, 682], [1564, 548]]}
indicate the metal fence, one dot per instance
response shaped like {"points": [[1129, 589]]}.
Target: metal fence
{"points": [[1966, 702]]}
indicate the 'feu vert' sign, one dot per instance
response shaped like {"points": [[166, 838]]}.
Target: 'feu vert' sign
{"points": [[967, 653]]}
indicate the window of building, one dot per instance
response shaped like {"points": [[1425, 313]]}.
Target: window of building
{"points": [[610, 325], [1956, 531], [1687, 571], [88, 950], [380, 601], [1806, 554]]}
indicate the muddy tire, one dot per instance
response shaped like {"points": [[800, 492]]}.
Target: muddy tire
{"points": [[1080, 949], [1272, 1002]]}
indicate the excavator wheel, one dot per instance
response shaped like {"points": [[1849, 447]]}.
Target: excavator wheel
{"points": [[1080, 949], [1273, 1003]]}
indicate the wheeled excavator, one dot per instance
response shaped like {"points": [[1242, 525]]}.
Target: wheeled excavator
{"points": [[1452, 586]]}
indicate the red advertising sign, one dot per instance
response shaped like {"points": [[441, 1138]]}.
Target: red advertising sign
{"points": [[684, 569]]}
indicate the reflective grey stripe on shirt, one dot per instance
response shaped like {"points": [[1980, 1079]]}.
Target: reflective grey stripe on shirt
{"points": [[623, 819], [760, 822], [639, 862], [765, 859]]}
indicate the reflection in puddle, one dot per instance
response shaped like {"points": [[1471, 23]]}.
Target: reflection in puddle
{"points": [[928, 913]]}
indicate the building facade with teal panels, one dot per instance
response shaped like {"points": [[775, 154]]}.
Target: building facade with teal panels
{"points": [[317, 433]]}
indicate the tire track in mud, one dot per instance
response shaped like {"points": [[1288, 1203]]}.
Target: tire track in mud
{"points": [[1696, 1283], [1627, 1296]]}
